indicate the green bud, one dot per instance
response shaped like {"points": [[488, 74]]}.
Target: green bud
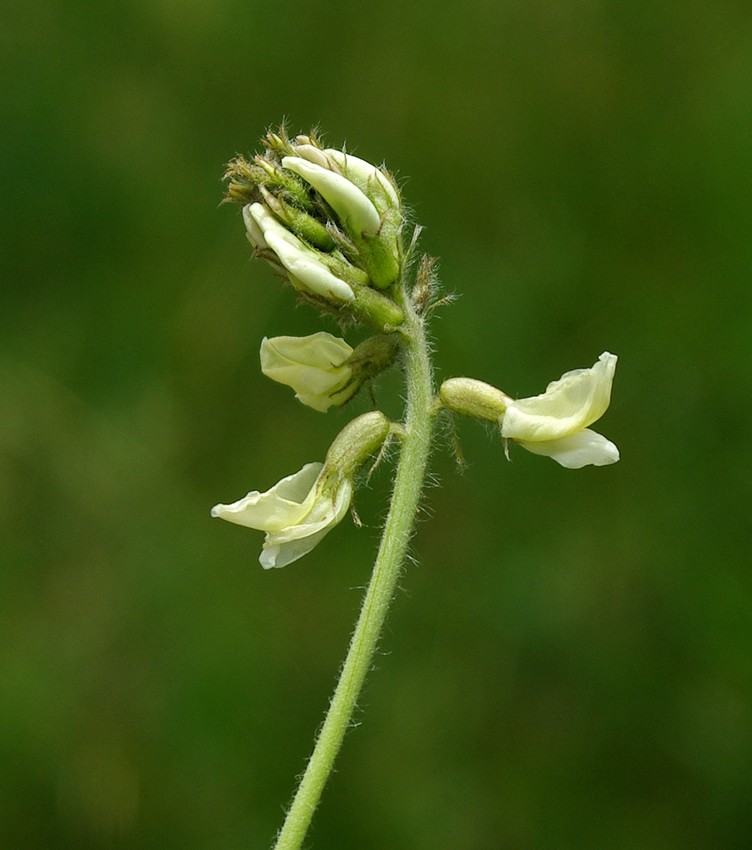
{"points": [[301, 224], [380, 257], [473, 398], [372, 356], [375, 309], [355, 443]]}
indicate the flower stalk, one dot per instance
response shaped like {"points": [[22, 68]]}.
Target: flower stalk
{"points": [[410, 474]]}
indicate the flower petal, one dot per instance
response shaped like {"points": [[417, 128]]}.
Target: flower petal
{"points": [[351, 205], [573, 402], [286, 504], [289, 544], [280, 554], [300, 261], [585, 448], [253, 230], [365, 172], [321, 351]]}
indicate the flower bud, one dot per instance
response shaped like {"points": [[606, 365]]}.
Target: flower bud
{"points": [[303, 265], [375, 182], [356, 212], [327, 278]]}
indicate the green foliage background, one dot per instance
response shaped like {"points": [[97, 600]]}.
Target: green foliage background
{"points": [[569, 663]]}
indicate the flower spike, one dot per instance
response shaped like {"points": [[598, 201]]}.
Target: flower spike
{"points": [[328, 221]]}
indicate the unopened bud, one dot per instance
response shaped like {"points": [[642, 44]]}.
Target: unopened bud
{"points": [[302, 224], [357, 214], [366, 176], [303, 265]]}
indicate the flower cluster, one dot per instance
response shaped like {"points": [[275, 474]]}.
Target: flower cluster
{"points": [[328, 222]]}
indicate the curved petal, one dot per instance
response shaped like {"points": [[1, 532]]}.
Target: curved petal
{"points": [[286, 504], [321, 350], [306, 268], [365, 172], [585, 448], [276, 554], [351, 205], [573, 402], [289, 544], [253, 229]]}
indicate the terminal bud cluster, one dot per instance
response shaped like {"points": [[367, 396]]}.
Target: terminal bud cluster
{"points": [[327, 221]]}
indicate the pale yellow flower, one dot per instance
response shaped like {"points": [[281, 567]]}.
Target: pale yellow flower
{"points": [[314, 366], [555, 423], [296, 513]]}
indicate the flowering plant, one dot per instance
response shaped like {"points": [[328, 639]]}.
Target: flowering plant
{"points": [[333, 226]]}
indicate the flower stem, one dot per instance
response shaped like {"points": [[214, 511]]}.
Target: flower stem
{"points": [[410, 473]]}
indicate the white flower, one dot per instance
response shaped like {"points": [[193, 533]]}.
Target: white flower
{"points": [[295, 514], [353, 207], [314, 366], [303, 266], [555, 423]]}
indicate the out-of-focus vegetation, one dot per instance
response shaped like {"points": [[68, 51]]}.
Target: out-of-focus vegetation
{"points": [[570, 663]]}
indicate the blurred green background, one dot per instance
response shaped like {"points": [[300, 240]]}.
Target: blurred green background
{"points": [[569, 664]]}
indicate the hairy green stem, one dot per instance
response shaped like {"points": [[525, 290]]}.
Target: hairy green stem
{"points": [[410, 474]]}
